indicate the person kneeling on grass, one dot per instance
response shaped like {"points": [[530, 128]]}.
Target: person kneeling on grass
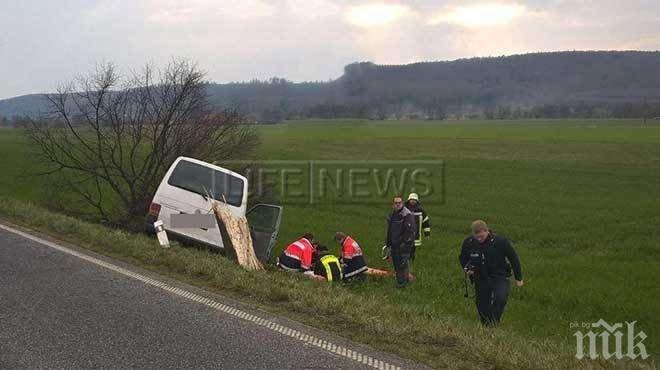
{"points": [[351, 257], [488, 258], [298, 256]]}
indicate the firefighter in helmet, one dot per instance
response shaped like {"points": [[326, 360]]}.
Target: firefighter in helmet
{"points": [[422, 223]]}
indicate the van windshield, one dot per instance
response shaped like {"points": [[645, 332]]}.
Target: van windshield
{"points": [[202, 180]]}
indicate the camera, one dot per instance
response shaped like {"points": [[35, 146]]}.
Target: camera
{"points": [[475, 261]]}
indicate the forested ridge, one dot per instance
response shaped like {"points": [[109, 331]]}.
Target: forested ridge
{"points": [[588, 84]]}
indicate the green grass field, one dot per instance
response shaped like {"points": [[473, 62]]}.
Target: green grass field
{"points": [[580, 200]]}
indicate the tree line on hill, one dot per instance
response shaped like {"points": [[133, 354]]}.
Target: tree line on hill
{"points": [[590, 84], [544, 85]]}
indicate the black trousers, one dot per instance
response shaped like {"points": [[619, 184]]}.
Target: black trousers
{"points": [[401, 268], [491, 295], [354, 267], [289, 264]]}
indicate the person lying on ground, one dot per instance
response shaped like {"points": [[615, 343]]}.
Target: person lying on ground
{"points": [[327, 265]]}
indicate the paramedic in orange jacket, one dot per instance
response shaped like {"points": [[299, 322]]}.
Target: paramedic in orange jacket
{"points": [[351, 256], [298, 256]]}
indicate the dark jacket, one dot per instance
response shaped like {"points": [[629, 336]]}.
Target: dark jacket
{"points": [[400, 231], [499, 257], [422, 222], [334, 267]]}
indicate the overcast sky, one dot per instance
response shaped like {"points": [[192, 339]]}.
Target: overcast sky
{"points": [[45, 43]]}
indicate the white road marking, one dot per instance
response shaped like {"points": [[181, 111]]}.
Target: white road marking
{"points": [[232, 311]]}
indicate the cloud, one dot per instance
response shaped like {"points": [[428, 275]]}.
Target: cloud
{"points": [[50, 42], [644, 43], [313, 10], [479, 15], [182, 12], [376, 14]]}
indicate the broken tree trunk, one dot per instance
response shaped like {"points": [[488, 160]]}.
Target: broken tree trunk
{"points": [[236, 237]]}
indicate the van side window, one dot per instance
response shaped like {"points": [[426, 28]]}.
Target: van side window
{"points": [[195, 178]]}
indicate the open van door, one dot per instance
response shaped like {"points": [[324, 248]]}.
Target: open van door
{"points": [[264, 221]]}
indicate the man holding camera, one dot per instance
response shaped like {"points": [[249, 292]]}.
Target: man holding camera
{"points": [[488, 259]]}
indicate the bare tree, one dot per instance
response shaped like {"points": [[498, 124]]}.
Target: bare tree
{"points": [[111, 138]]}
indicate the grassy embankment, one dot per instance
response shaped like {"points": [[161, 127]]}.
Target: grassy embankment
{"points": [[578, 199]]}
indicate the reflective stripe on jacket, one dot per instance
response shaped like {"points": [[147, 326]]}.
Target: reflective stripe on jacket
{"points": [[422, 222], [331, 267], [418, 229], [352, 257], [350, 248], [303, 251]]}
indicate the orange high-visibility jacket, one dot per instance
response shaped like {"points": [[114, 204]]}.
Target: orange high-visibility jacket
{"points": [[302, 250], [350, 248]]}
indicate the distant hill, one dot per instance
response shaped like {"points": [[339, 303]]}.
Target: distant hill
{"points": [[23, 105], [557, 84], [519, 81]]}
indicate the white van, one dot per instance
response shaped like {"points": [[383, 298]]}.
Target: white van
{"points": [[188, 187]]}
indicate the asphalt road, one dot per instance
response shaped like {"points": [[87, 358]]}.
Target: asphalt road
{"points": [[59, 311]]}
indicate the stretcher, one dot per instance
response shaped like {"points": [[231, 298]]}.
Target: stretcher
{"points": [[379, 272]]}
